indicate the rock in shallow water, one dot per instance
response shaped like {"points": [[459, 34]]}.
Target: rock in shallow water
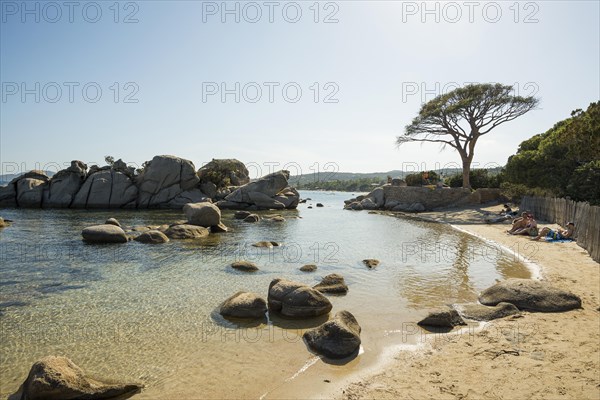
{"points": [[531, 295], [152, 237], [185, 231], [308, 268], [104, 234], [480, 312], [58, 378], [443, 318], [245, 266], [338, 338], [332, 283], [371, 262], [203, 214], [244, 305], [293, 299]]}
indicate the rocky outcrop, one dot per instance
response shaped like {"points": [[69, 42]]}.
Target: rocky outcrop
{"points": [[164, 179], [269, 192], [65, 184], [58, 378], [224, 172], [106, 233], [152, 237], [244, 305], [530, 295], [332, 283], [480, 312], [296, 300], [106, 188], [338, 338], [203, 214], [409, 198], [164, 182], [27, 190], [442, 318]]}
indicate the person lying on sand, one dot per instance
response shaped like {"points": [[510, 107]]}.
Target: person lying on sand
{"points": [[529, 229], [558, 234], [521, 222]]}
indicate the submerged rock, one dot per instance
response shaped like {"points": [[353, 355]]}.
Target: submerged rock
{"points": [[332, 283], [443, 318], [371, 262], [244, 305], [185, 231], [293, 299], [241, 214], [220, 228], [531, 295], [58, 378], [266, 244], [308, 268], [152, 237], [104, 234], [338, 338], [252, 218], [480, 312], [245, 266]]}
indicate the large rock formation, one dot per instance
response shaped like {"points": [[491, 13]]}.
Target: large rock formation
{"points": [[30, 189], [531, 295], [106, 188], [269, 192], [224, 172], [65, 184], [164, 182], [293, 299], [58, 378], [166, 178], [338, 338]]}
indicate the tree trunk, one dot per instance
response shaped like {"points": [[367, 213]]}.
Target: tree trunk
{"points": [[466, 172]]}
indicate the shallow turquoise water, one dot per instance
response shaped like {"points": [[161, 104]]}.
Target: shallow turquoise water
{"points": [[147, 312]]}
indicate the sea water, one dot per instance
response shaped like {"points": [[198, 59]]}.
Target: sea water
{"points": [[149, 313]]}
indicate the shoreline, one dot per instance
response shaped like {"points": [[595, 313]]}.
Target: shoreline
{"points": [[484, 365]]}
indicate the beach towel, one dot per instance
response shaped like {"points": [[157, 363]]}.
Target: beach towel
{"points": [[549, 240]]}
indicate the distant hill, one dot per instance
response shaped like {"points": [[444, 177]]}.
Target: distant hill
{"points": [[354, 176], [6, 178]]}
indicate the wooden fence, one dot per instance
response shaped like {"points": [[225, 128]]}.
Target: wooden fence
{"points": [[560, 211]]}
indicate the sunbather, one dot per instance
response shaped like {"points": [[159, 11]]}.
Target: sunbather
{"points": [[529, 229], [557, 234], [521, 222]]}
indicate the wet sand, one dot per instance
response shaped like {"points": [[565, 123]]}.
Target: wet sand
{"points": [[531, 356]]}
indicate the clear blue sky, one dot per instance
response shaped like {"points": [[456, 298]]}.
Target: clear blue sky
{"points": [[380, 60]]}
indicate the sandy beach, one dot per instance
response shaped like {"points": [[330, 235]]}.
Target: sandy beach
{"points": [[527, 356]]}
